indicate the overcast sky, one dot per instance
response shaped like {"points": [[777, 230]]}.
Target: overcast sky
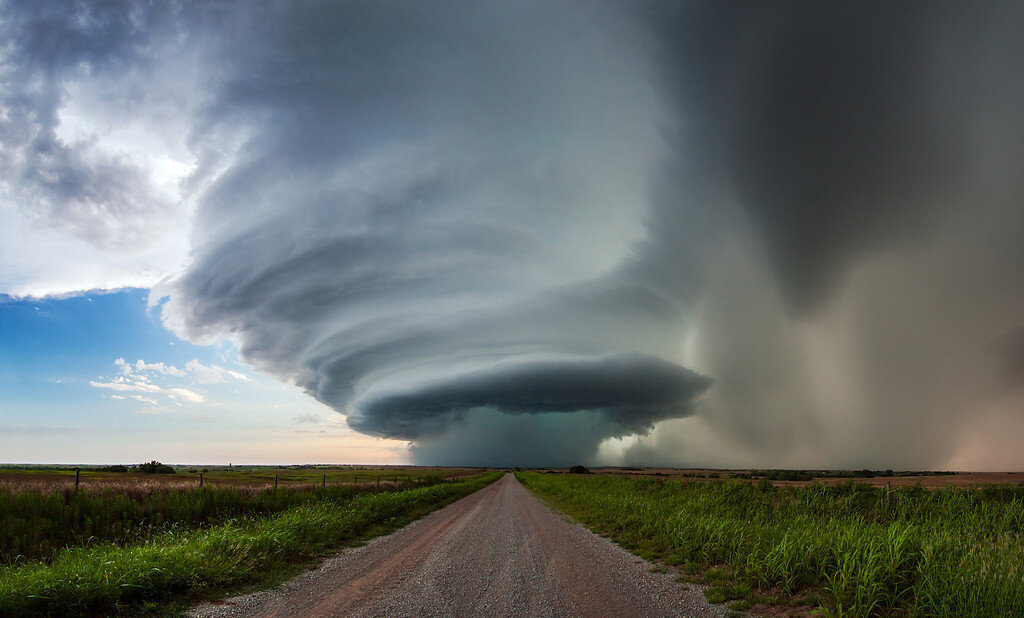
{"points": [[778, 234]]}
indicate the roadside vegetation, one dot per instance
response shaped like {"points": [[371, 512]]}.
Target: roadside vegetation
{"points": [[46, 509], [37, 525], [192, 543], [848, 550]]}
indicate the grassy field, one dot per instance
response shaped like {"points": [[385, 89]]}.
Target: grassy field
{"points": [[19, 477], [847, 550], [41, 512], [783, 478], [252, 536], [38, 525]]}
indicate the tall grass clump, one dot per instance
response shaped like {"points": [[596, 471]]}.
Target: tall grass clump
{"points": [[942, 552], [36, 524], [107, 578]]}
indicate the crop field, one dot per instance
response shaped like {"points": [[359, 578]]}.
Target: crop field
{"points": [[847, 549], [121, 541]]}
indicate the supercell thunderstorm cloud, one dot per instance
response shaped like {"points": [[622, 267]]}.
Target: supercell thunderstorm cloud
{"points": [[697, 233]]}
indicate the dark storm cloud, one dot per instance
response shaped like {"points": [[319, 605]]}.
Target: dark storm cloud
{"points": [[630, 391], [1010, 349], [104, 200], [54, 36], [73, 185], [830, 138], [837, 125], [487, 437], [505, 230], [437, 199]]}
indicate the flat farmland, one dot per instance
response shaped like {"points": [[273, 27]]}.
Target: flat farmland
{"points": [[137, 543], [877, 478], [770, 542], [44, 511], [17, 477], [840, 548], [931, 481]]}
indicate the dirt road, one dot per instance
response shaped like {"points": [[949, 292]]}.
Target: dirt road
{"points": [[498, 552]]}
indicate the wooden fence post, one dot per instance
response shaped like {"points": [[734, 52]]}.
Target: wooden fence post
{"points": [[275, 481], [324, 483], [888, 492], [378, 480], [77, 471], [200, 479]]}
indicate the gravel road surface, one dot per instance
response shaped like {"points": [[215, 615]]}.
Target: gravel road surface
{"points": [[497, 552]]}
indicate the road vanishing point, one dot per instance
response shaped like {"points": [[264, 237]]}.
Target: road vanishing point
{"points": [[497, 552]]}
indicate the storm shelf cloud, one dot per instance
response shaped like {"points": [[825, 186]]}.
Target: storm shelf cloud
{"points": [[629, 391], [676, 233]]}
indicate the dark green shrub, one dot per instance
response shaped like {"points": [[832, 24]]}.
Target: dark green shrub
{"points": [[154, 467]]}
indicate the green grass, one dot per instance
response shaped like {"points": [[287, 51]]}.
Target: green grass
{"points": [[36, 525], [943, 552], [197, 563], [42, 513]]}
